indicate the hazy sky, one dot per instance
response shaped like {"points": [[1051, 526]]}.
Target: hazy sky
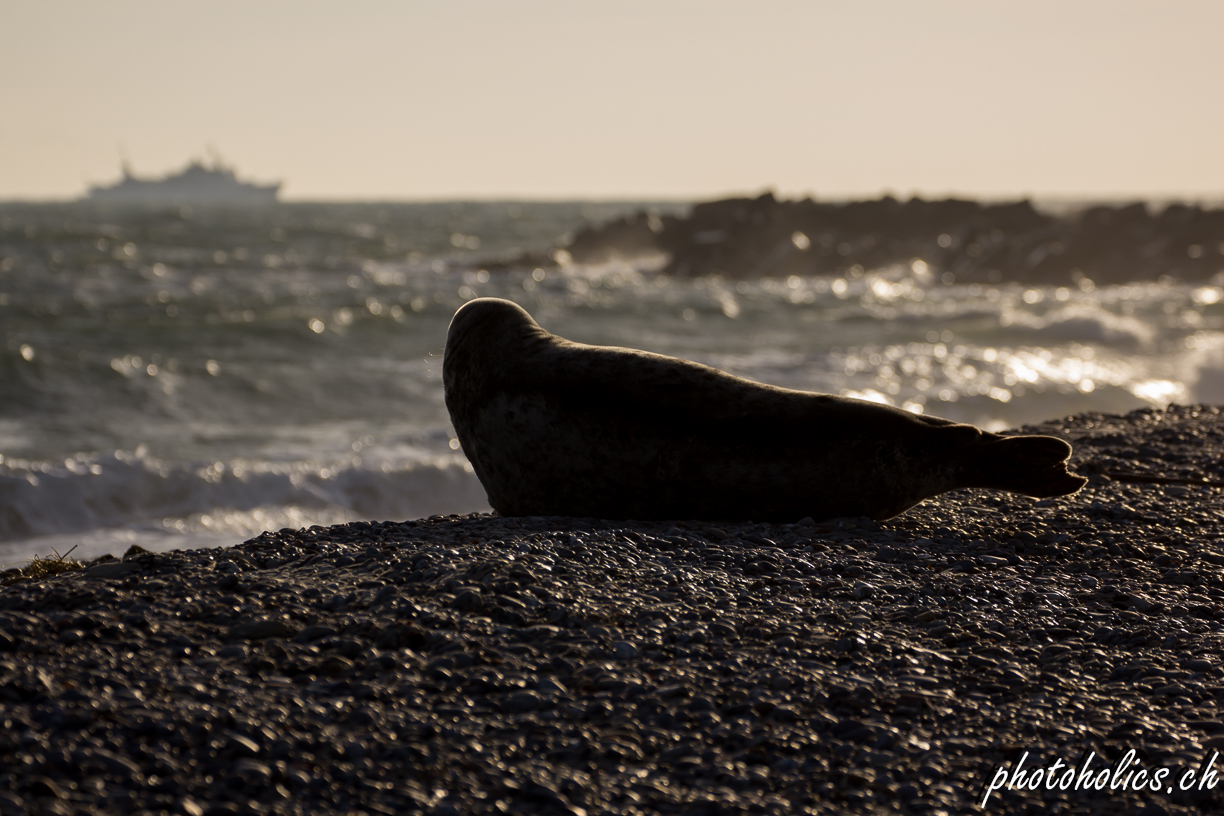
{"points": [[661, 98]]}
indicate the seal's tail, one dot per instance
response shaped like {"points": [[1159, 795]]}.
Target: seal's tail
{"points": [[1030, 465]]}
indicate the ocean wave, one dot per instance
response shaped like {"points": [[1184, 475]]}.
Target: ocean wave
{"points": [[1083, 323], [115, 490]]}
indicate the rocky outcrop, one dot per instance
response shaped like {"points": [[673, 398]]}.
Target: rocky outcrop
{"points": [[960, 241]]}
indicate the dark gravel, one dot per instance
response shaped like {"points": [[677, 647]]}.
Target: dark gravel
{"points": [[563, 666]]}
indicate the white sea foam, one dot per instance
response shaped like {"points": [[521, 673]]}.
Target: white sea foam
{"points": [[117, 498]]}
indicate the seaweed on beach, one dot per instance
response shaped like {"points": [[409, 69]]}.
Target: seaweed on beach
{"points": [[41, 566]]}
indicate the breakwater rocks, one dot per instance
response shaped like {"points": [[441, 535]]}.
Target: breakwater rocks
{"points": [[478, 664], [958, 241]]}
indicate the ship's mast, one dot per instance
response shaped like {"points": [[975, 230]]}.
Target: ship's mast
{"points": [[215, 155], [125, 161]]}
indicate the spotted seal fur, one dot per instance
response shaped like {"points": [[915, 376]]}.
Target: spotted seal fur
{"points": [[554, 427]]}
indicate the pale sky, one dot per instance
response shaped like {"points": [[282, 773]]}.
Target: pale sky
{"points": [[410, 99]]}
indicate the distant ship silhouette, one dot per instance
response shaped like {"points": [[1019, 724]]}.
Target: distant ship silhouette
{"points": [[196, 184]]}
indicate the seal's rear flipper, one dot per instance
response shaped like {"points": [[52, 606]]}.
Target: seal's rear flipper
{"points": [[1030, 465]]}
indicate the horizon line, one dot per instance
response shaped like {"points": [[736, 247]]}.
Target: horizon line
{"points": [[1202, 197]]}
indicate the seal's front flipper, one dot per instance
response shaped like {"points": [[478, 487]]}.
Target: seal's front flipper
{"points": [[1030, 465]]}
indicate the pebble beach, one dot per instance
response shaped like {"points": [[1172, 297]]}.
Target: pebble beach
{"points": [[477, 664]]}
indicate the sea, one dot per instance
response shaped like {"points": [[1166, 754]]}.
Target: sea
{"points": [[191, 377]]}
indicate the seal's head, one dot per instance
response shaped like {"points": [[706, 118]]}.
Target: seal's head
{"points": [[486, 339], [489, 322]]}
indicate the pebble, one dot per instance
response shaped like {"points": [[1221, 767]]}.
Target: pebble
{"points": [[521, 701], [262, 628], [624, 650], [110, 569]]}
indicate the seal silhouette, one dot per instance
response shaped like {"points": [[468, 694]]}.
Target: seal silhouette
{"points": [[554, 427]]}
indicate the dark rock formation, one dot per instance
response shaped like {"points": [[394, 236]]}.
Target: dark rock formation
{"points": [[963, 241]]}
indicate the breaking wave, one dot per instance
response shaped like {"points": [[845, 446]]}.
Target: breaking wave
{"points": [[238, 498]]}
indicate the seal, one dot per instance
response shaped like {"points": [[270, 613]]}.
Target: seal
{"points": [[554, 427]]}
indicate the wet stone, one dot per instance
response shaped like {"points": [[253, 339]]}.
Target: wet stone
{"points": [[624, 650], [521, 702], [263, 628], [312, 633]]}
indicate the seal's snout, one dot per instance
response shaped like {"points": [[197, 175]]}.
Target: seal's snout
{"points": [[1030, 465]]}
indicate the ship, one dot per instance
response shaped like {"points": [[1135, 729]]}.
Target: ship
{"points": [[200, 184]]}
